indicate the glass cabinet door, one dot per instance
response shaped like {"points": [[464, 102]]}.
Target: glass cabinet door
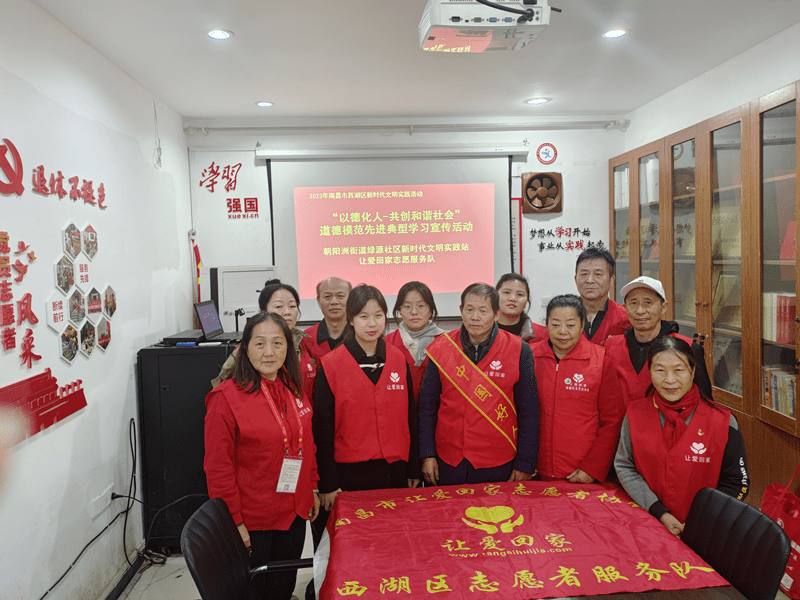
{"points": [[778, 166], [622, 251], [648, 215], [684, 236], [726, 258]]}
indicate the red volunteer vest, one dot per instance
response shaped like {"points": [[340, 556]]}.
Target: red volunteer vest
{"points": [[371, 420], [308, 374], [394, 339], [461, 431], [539, 332], [315, 350], [632, 384], [569, 410], [695, 462], [258, 452], [614, 322]]}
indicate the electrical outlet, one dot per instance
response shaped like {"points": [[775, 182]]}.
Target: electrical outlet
{"points": [[101, 502]]}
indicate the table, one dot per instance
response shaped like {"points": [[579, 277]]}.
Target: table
{"points": [[506, 541]]}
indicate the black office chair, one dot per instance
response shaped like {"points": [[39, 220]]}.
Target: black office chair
{"points": [[216, 557], [743, 544]]}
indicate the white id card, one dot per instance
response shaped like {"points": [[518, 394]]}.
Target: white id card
{"points": [[290, 474]]}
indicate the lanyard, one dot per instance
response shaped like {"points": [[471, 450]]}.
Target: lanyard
{"points": [[280, 420]]}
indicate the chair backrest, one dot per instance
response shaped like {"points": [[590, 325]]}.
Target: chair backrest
{"points": [[214, 552], [743, 544]]}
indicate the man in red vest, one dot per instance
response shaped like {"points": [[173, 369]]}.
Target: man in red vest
{"points": [[594, 275], [646, 304], [478, 406], [323, 337]]}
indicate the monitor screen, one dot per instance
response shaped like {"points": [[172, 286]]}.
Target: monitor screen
{"points": [[209, 318]]}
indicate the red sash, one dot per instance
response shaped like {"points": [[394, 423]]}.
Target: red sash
{"points": [[481, 393]]}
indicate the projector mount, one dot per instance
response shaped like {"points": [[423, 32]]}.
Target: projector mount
{"points": [[527, 14]]}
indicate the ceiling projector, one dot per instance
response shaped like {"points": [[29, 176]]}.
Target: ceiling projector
{"points": [[470, 26]]}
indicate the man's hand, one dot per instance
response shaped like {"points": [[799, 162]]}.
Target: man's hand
{"points": [[430, 470]]}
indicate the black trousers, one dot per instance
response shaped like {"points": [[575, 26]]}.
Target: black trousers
{"points": [[276, 545], [464, 473]]}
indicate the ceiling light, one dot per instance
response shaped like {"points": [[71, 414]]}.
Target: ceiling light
{"points": [[537, 101], [264, 104], [220, 34], [614, 34]]}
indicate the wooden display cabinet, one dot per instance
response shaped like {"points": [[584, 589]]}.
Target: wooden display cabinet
{"points": [[727, 205]]}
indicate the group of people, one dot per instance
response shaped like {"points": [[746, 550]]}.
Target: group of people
{"points": [[296, 417]]}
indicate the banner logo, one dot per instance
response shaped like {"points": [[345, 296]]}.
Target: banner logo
{"points": [[488, 519]]}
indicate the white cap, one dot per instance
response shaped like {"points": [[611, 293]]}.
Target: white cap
{"points": [[644, 282]]}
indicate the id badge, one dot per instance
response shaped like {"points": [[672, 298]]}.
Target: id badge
{"points": [[290, 474]]}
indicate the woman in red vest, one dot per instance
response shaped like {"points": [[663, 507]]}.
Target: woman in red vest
{"points": [[281, 299], [580, 407], [515, 299], [676, 441], [257, 422], [415, 314], [365, 417]]}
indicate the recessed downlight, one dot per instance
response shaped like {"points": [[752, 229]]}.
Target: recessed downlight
{"points": [[220, 34], [537, 101], [614, 34], [264, 104]]}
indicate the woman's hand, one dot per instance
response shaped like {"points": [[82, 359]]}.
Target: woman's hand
{"points": [[328, 499], [412, 483], [245, 537], [520, 476], [430, 470], [672, 524], [578, 476], [314, 512]]}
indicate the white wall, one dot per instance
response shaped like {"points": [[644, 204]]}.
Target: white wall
{"points": [[754, 73], [582, 159], [65, 106]]}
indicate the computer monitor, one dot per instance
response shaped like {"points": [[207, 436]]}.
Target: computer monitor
{"points": [[209, 319]]}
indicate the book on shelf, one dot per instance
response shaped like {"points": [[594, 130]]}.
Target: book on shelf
{"points": [[789, 248], [779, 390], [778, 317]]}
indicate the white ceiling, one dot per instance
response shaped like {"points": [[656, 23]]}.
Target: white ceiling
{"points": [[361, 58]]}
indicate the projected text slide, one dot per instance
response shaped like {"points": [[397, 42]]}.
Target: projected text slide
{"points": [[442, 235]]}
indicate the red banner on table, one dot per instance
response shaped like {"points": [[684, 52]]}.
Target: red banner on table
{"points": [[503, 541]]}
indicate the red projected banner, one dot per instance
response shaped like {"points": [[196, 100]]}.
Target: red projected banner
{"points": [[509, 541], [387, 235]]}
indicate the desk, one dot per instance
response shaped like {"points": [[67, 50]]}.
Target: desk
{"points": [[523, 540]]}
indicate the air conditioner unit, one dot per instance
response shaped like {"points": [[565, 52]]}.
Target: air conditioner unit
{"points": [[469, 26]]}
